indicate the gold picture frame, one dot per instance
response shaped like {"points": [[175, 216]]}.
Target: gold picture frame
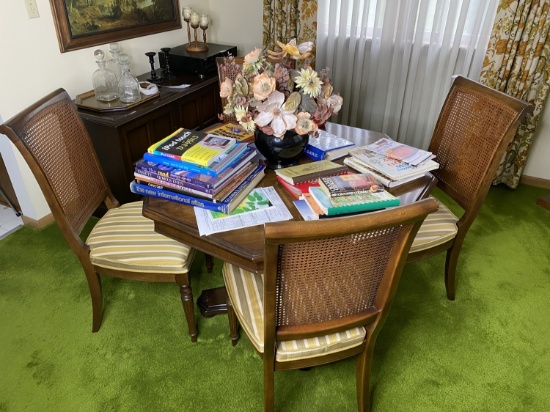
{"points": [[86, 23]]}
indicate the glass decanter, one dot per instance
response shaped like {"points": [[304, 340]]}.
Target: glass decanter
{"points": [[113, 64], [128, 86], [104, 80]]}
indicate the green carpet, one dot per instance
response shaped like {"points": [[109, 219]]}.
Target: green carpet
{"points": [[486, 351]]}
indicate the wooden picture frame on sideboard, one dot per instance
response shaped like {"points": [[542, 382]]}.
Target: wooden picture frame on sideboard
{"points": [[85, 23]]}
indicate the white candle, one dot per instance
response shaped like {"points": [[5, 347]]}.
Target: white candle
{"points": [[187, 13], [195, 19], [204, 20]]}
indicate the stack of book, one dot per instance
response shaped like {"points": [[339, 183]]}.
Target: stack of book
{"points": [[390, 162], [198, 169], [344, 194], [297, 179]]}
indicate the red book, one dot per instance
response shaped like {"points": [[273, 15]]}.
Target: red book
{"points": [[299, 188]]}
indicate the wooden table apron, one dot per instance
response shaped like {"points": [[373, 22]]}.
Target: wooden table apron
{"points": [[244, 247]]}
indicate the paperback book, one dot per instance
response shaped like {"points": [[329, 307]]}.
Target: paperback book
{"points": [[193, 191], [240, 153], [310, 171], [196, 181], [327, 146], [349, 184], [363, 202], [227, 206], [193, 146], [304, 210], [218, 195], [234, 130], [386, 181]]}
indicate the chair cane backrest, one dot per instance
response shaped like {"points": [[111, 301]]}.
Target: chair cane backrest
{"points": [[55, 143], [326, 276], [474, 129]]}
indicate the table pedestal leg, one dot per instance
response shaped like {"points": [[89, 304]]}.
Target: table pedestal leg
{"points": [[212, 302]]}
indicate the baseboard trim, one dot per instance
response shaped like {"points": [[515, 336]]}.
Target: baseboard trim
{"points": [[535, 181], [38, 224]]}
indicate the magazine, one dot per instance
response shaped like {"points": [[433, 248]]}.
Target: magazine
{"points": [[399, 151]]}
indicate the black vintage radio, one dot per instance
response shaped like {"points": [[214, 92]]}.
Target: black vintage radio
{"points": [[201, 63]]}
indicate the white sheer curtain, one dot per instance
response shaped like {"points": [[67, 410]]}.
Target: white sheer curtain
{"points": [[393, 60]]}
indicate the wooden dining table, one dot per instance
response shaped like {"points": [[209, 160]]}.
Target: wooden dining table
{"points": [[244, 247]]}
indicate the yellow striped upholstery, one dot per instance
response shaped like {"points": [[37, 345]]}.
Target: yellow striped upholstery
{"points": [[438, 228], [123, 239], [245, 289]]}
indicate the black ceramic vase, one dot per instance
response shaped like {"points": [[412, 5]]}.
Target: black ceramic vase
{"points": [[280, 153]]}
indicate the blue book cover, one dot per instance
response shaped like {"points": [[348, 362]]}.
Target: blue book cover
{"points": [[209, 184], [227, 206], [327, 146], [213, 170]]}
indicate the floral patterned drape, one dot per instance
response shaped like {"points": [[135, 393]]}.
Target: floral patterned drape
{"points": [[285, 20], [517, 63]]}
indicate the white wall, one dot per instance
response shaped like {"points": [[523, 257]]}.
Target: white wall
{"points": [[539, 156], [32, 66]]}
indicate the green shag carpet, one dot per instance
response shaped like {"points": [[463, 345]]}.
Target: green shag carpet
{"points": [[486, 351]]}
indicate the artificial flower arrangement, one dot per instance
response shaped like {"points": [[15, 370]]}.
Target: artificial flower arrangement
{"points": [[278, 92]]}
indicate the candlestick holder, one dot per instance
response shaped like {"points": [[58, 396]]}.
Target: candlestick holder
{"points": [[154, 78], [167, 73], [194, 22]]}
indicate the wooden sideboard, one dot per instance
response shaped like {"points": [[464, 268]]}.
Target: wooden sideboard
{"points": [[120, 138]]}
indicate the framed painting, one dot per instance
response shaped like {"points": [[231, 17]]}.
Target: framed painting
{"points": [[86, 23]]}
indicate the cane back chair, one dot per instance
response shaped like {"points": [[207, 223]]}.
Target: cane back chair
{"points": [[55, 144], [325, 292], [474, 128]]}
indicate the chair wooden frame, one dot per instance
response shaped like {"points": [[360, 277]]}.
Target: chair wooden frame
{"points": [[52, 122], [389, 233], [475, 126]]}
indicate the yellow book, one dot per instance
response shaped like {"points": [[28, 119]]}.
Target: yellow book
{"points": [[193, 146]]}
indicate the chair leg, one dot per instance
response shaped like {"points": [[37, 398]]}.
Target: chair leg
{"points": [[364, 362], [209, 262], [269, 386], [94, 284], [187, 301], [233, 323], [450, 269]]}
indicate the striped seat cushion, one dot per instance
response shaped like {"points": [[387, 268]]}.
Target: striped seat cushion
{"points": [[438, 228], [245, 289], [125, 240]]}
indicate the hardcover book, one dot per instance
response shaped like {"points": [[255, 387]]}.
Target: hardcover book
{"points": [[237, 154], [193, 146], [349, 184], [298, 189], [310, 171], [392, 168], [227, 206], [327, 146], [363, 202]]}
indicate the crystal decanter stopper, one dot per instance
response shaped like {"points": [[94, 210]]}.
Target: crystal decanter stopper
{"points": [[104, 80]]}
